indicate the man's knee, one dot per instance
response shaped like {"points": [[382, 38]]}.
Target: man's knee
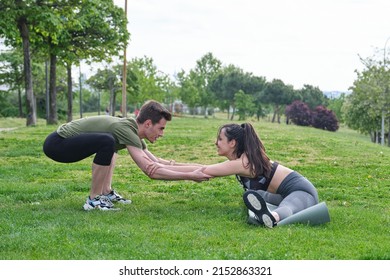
{"points": [[106, 151]]}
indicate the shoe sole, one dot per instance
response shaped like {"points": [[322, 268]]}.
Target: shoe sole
{"points": [[120, 200], [254, 202], [123, 201], [267, 221], [109, 209], [88, 207], [257, 204]]}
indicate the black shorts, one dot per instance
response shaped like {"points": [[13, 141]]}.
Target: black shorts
{"points": [[79, 147]]}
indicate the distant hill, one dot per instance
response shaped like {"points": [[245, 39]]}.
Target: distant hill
{"points": [[334, 94]]}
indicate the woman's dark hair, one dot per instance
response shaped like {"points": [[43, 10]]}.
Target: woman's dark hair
{"points": [[249, 143], [154, 111]]}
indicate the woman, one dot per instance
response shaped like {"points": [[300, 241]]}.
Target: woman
{"points": [[263, 179]]}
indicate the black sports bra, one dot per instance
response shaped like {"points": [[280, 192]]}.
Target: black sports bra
{"points": [[259, 183]]}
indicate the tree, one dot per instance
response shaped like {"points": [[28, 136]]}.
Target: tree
{"points": [[257, 88], [312, 96], [16, 18], [371, 94], [277, 94], [94, 31], [11, 75], [244, 104], [225, 85], [68, 30], [356, 114], [231, 80], [364, 106], [336, 105], [35, 21], [150, 82], [109, 81], [205, 70], [188, 91]]}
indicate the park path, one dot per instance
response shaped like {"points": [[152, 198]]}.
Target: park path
{"points": [[7, 129]]}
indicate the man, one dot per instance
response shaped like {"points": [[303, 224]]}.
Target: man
{"points": [[104, 136]]}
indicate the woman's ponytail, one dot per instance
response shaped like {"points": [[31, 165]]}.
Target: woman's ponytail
{"points": [[255, 151]]}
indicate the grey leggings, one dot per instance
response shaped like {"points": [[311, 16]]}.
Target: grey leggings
{"points": [[294, 194]]}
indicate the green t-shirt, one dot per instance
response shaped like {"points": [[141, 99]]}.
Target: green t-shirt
{"points": [[124, 130]]}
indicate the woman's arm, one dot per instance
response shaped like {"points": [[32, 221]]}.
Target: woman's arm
{"points": [[155, 170], [227, 168]]}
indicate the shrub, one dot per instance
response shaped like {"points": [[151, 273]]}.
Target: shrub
{"points": [[325, 119], [299, 113]]}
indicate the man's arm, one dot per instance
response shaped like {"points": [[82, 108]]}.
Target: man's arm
{"points": [[169, 162], [153, 171]]}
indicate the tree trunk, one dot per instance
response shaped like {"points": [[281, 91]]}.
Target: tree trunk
{"points": [[388, 135], [53, 116], [99, 103], [233, 112], [20, 102], [31, 118], [112, 95], [112, 101], [70, 93], [276, 114], [372, 136]]}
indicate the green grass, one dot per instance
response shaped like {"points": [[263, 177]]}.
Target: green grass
{"points": [[41, 214]]}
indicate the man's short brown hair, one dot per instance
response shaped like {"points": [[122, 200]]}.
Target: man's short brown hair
{"points": [[154, 111]]}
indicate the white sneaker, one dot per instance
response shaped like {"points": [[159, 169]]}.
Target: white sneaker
{"points": [[256, 203], [99, 202], [116, 197]]}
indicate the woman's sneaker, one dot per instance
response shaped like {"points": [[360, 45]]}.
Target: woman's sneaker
{"points": [[99, 202], [116, 197], [256, 203], [253, 219]]}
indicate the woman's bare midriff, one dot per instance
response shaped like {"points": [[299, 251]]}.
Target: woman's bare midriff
{"points": [[280, 173]]}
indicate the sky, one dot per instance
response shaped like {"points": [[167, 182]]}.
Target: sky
{"points": [[314, 42]]}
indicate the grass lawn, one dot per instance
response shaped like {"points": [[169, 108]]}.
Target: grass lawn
{"points": [[41, 216]]}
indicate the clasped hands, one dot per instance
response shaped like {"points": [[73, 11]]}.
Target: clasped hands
{"points": [[197, 175]]}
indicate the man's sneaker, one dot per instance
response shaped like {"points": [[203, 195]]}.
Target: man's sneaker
{"points": [[115, 197], [99, 202]]}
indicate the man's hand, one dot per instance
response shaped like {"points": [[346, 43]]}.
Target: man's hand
{"points": [[200, 176], [151, 167]]}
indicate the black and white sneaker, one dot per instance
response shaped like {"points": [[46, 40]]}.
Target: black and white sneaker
{"points": [[99, 202], [253, 219], [256, 203], [116, 197]]}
